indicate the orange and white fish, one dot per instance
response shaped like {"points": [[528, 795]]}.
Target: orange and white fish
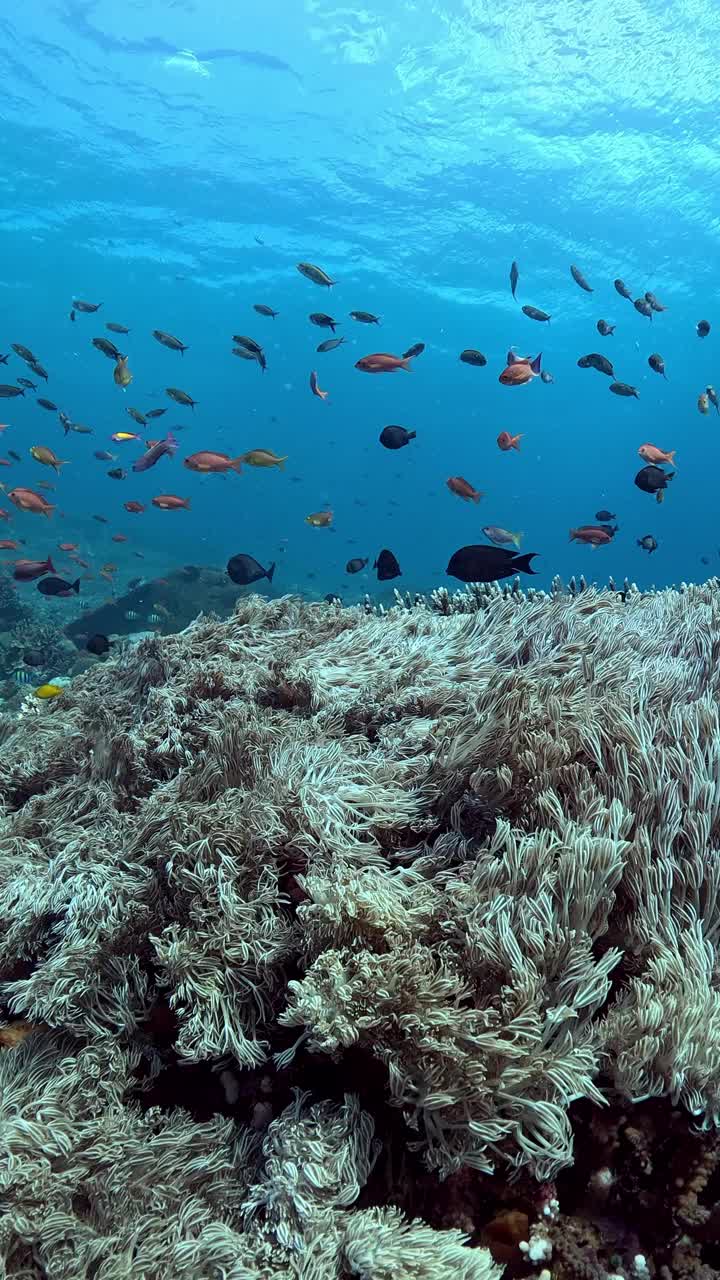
{"points": [[464, 489], [383, 362], [651, 453], [506, 441], [519, 371], [321, 395]]}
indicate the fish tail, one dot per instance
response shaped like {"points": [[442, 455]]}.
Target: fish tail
{"points": [[236, 464], [47, 511], [186, 503], [573, 535], [660, 495], [535, 364], [270, 572], [76, 586], [50, 566], [405, 364], [280, 464], [671, 457], [523, 562], [517, 539], [412, 435], [515, 440], [477, 496]]}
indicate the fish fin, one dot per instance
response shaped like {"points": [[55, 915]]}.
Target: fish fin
{"points": [[671, 457], [572, 535], [517, 539], [76, 586], [236, 464], [477, 496], [660, 495], [405, 364], [51, 566], [515, 444], [48, 510], [523, 562], [412, 435], [186, 504], [269, 573], [280, 464], [535, 364]]}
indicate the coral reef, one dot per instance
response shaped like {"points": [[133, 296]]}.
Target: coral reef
{"points": [[371, 942]]}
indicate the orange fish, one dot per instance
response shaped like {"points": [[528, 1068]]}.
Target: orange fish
{"points": [[5, 462], [4, 426], [7, 544], [68, 546], [382, 362], [464, 489], [206, 460], [170, 502], [506, 441], [28, 500], [651, 453], [119, 537], [136, 507], [593, 534], [322, 395], [518, 371], [319, 519]]}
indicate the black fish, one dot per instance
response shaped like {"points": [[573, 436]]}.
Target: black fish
{"points": [[264, 310], [643, 306], [546, 377], [534, 313], [7, 392], [514, 277], [24, 353], [355, 565], [471, 356], [596, 361], [656, 306], [107, 348], [25, 382], [14, 455], [116, 328], [98, 644], [316, 274], [244, 569], [623, 389], [87, 307], [58, 587], [38, 369], [604, 329], [330, 344], [364, 317], [137, 416], [648, 543], [102, 455], [180, 397], [324, 322], [46, 404], [4, 359], [33, 657], [623, 289], [652, 479], [248, 343], [480, 563], [605, 515], [168, 340], [117, 473], [396, 437], [330, 598], [387, 566], [702, 328], [72, 316], [579, 278], [155, 413], [100, 519], [416, 350], [657, 364]]}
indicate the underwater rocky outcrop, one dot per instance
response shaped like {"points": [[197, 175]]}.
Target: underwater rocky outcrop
{"points": [[335, 944]]}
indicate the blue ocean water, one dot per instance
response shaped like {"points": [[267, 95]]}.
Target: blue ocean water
{"points": [[175, 159]]}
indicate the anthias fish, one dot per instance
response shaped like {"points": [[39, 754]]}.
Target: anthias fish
{"points": [[520, 371], [383, 362], [206, 460]]}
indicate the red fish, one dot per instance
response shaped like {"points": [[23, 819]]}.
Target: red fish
{"points": [[322, 395], [463, 489], [170, 502], [28, 500], [7, 544], [27, 570], [5, 462], [119, 537], [594, 534], [382, 362], [68, 546], [518, 372], [136, 507], [506, 441], [207, 460], [651, 453]]}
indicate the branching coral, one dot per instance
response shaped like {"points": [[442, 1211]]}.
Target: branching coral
{"points": [[471, 846]]}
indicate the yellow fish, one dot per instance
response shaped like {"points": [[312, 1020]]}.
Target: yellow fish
{"points": [[41, 453], [121, 374], [703, 403], [264, 458], [319, 519], [48, 691]]}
